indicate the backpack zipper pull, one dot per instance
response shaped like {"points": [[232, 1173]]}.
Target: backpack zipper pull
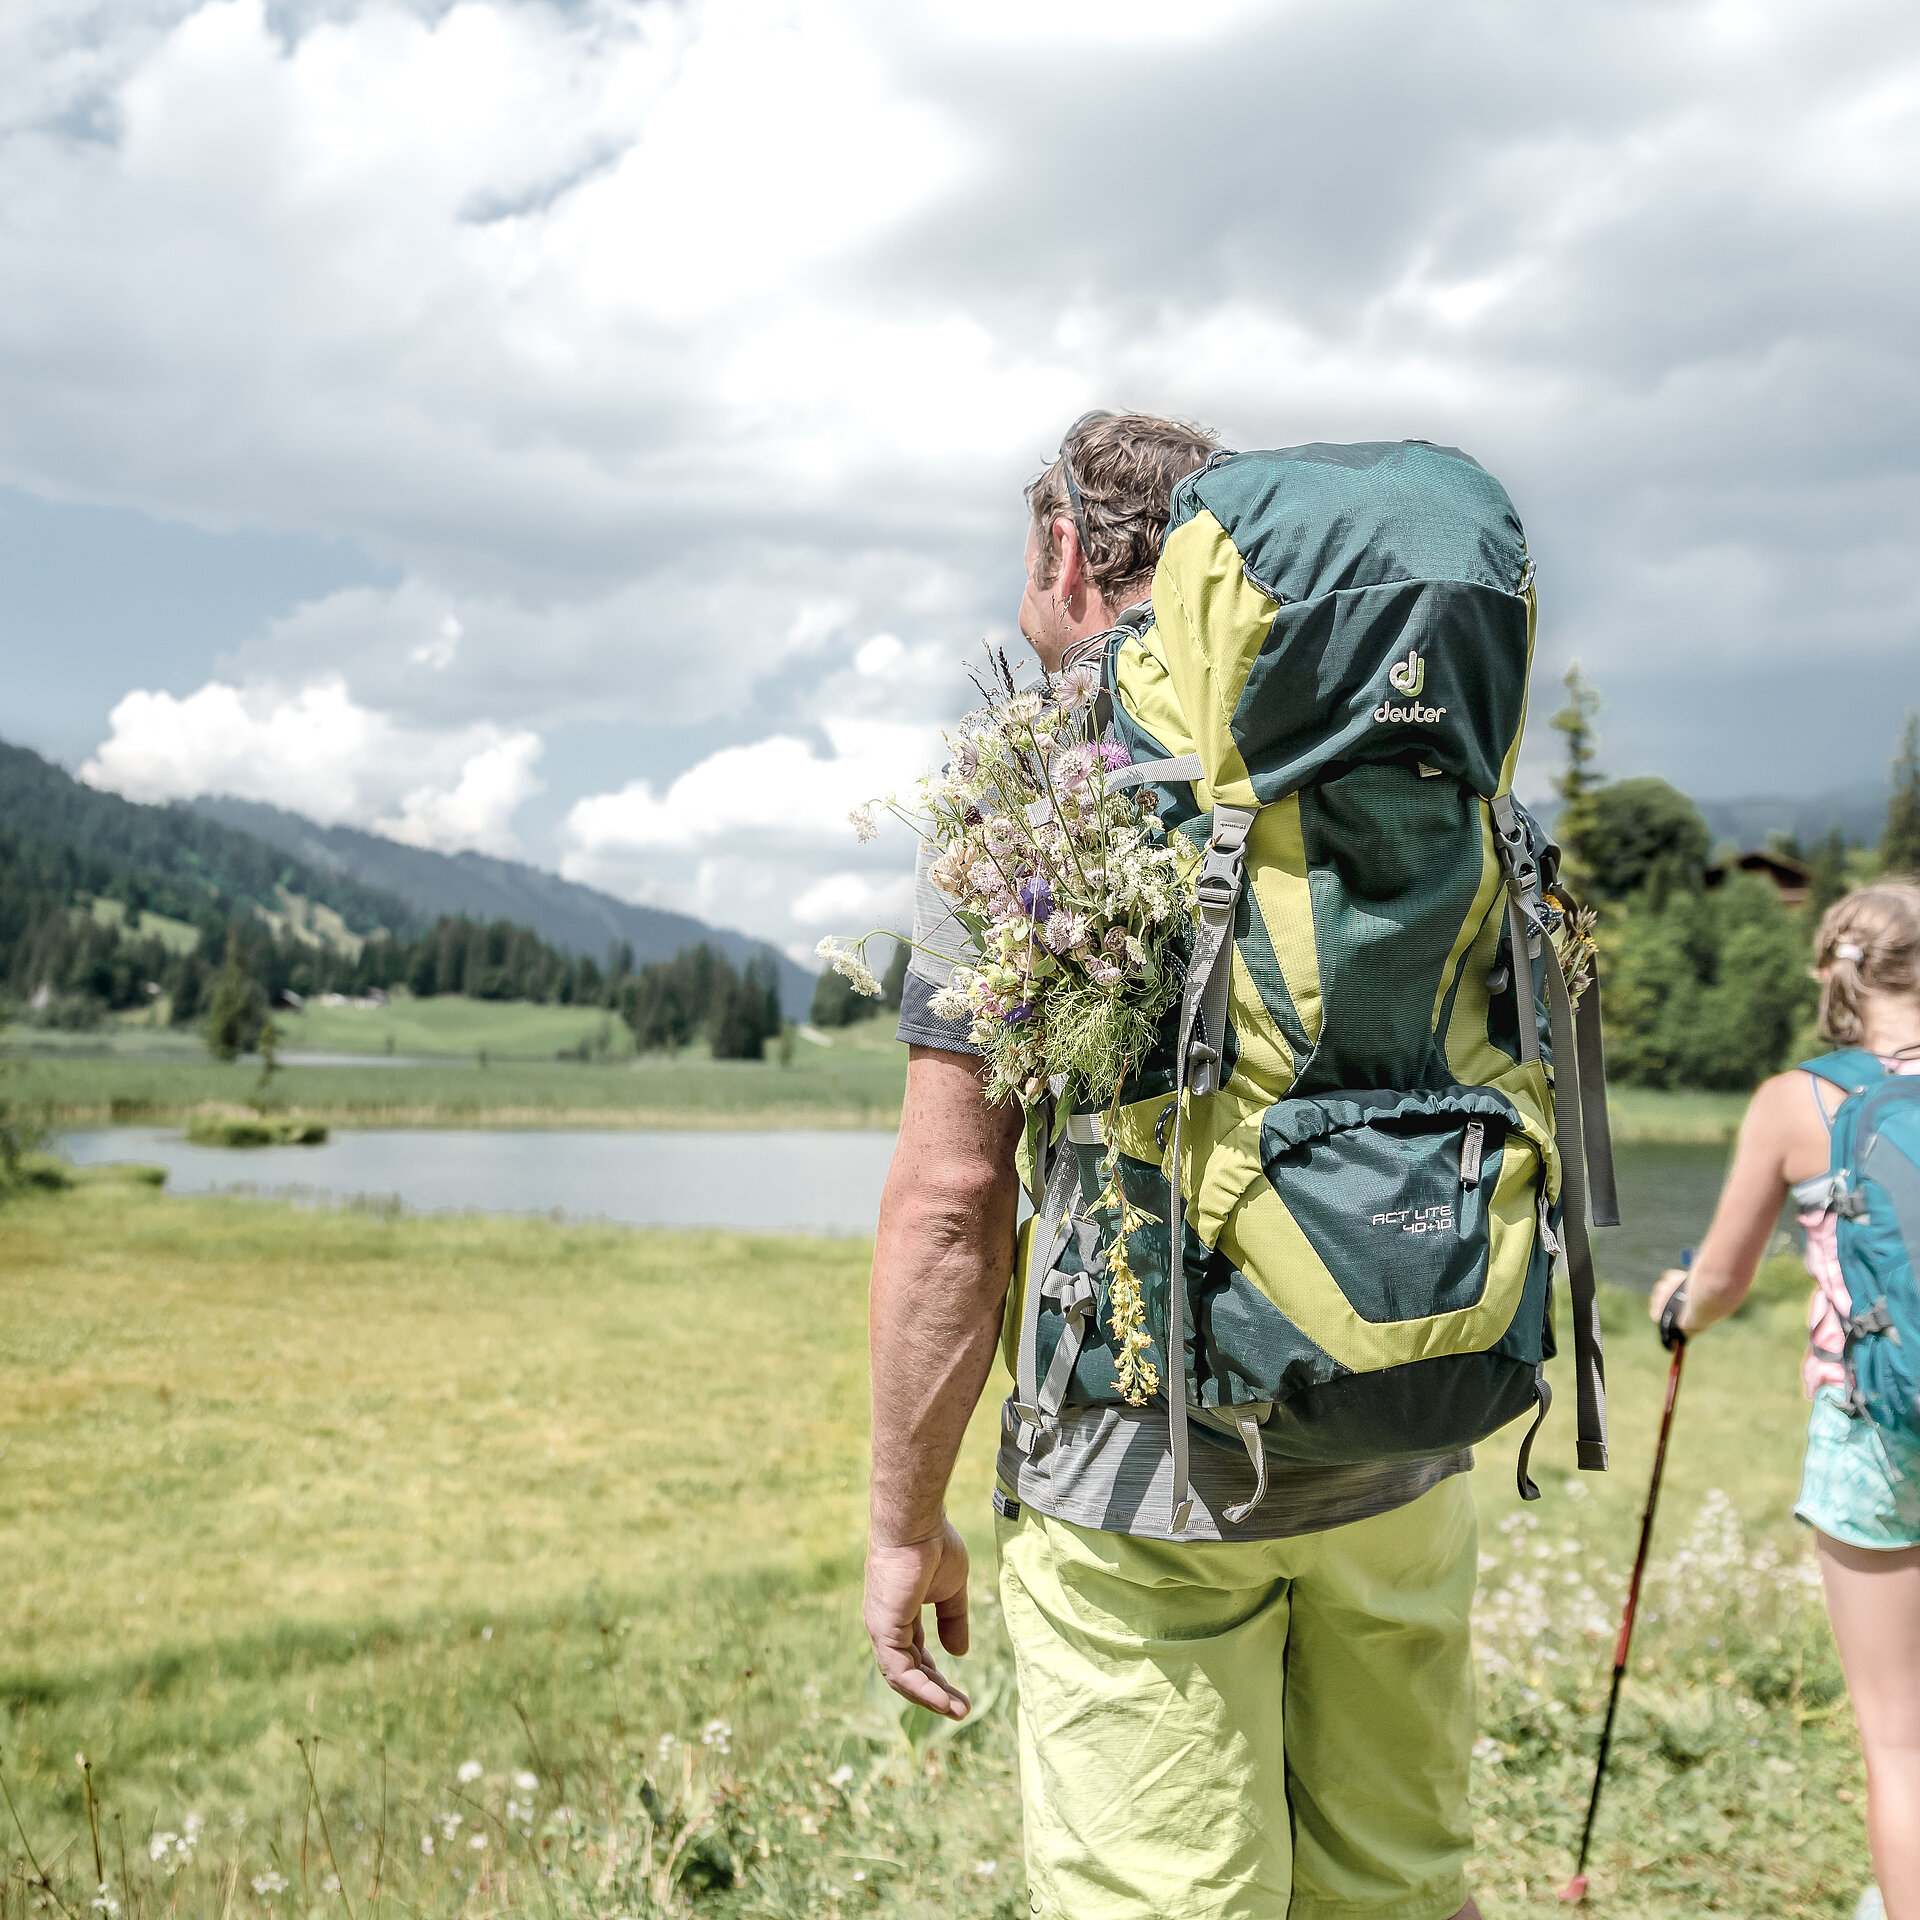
{"points": [[1472, 1145]]}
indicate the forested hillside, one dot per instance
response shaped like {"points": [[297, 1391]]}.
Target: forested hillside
{"points": [[481, 887], [107, 905]]}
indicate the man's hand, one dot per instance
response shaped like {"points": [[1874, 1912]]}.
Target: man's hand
{"points": [[901, 1582]]}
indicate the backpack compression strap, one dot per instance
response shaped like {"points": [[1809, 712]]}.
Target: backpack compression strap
{"points": [[1198, 1057], [1528, 937]]}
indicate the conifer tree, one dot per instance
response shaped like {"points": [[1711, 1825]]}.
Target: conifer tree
{"points": [[1900, 841], [1581, 779]]}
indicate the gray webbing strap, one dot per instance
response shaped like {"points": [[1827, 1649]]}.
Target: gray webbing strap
{"points": [[1180, 1498], [1182, 767], [1248, 1423], [1589, 1371], [1521, 966], [1198, 1055], [1142, 773], [1086, 1129], [1049, 1236], [1602, 1194], [1203, 1004], [1076, 1294]]}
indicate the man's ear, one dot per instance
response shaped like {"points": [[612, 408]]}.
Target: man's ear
{"points": [[1070, 564]]}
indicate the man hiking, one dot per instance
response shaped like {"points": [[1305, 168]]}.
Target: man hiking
{"points": [[1266, 1710]]}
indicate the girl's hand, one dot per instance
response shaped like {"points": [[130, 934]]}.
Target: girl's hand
{"points": [[1664, 1289]]}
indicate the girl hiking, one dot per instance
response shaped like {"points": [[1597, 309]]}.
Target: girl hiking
{"points": [[1860, 1491]]}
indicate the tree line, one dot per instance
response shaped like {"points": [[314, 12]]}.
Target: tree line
{"points": [[1704, 968]]}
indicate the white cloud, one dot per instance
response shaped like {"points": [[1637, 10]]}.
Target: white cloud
{"points": [[318, 752], [476, 813], [762, 830]]}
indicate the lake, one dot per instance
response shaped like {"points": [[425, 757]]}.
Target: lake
{"points": [[825, 1182], [765, 1181]]}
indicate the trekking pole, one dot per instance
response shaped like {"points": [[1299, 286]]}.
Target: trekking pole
{"points": [[1676, 1343]]}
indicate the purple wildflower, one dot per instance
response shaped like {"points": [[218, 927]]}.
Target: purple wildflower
{"points": [[1019, 1013], [1037, 898], [1113, 756]]}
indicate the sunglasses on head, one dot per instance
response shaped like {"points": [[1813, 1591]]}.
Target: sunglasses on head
{"points": [[1066, 466]]}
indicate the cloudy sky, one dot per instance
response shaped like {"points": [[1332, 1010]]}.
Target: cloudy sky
{"points": [[593, 431]]}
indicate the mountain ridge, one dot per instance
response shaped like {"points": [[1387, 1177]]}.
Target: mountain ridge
{"points": [[484, 886]]}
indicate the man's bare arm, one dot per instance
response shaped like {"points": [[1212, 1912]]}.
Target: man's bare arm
{"points": [[941, 1262]]}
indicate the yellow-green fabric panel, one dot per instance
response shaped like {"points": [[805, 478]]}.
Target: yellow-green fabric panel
{"points": [[1265, 1242], [1519, 732], [1203, 599], [1264, 1063], [1276, 871], [1145, 689], [1473, 929]]}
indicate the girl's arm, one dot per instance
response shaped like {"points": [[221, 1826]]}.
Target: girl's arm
{"points": [[1782, 1139]]}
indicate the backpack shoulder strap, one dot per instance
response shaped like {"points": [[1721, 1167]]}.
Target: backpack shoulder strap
{"points": [[1852, 1070]]}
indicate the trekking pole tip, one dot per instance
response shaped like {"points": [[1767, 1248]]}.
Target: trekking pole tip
{"points": [[1575, 1890]]}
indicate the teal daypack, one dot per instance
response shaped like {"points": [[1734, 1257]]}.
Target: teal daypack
{"points": [[1873, 1185]]}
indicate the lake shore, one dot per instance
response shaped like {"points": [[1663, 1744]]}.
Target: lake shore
{"points": [[857, 1082]]}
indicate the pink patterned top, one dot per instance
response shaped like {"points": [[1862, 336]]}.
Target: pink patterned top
{"points": [[1828, 1309]]}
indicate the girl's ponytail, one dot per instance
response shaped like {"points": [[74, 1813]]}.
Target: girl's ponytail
{"points": [[1869, 942]]}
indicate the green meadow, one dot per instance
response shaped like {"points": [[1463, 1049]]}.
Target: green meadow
{"points": [[492, 1566], [857, 1080]]}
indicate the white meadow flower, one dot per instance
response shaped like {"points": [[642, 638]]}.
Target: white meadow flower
{"points": [[526, 1782], [470, 1771], [863, 822]]}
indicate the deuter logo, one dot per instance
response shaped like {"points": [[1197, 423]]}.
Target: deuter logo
{"points": [[1408, 676], [1418, 1219]]}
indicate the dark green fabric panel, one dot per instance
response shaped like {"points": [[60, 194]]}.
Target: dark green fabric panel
{"points": [[1320, 694], [1426, 1407], [1384, 1209], [1393, 864], [1321, 519], [1249, 1349]]}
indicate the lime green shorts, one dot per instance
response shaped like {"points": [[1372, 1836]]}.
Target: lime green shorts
{"points": [[1246, 1729]]}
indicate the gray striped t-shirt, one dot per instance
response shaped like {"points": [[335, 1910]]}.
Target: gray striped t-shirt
{"points": [[1111, 1467]]}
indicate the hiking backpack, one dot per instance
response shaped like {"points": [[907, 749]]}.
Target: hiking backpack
{"points": [[1873, 1185], [1347, 1131]]}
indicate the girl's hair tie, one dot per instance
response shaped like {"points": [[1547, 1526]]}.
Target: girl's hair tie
{"points": [[1846, 950]]}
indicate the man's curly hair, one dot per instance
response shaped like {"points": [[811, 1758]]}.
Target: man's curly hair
{"points": [[1125, 467]]}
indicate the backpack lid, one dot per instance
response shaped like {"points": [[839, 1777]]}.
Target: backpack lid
{"points": [[1324, 605]]}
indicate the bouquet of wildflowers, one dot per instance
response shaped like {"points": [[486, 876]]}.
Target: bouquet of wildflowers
{"points": [[1078, 913]]}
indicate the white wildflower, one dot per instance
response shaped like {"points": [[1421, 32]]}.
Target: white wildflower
{"points": [[716, 1734], [477, 1841], [840, 1777], [1022, 710], [331, 1884], [863, 823], [470, 1771], [986, 1869], [1077, 686], [266, 1885], [104, 1903], [526, 1782], [426, 1843], [951, 1002]]}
